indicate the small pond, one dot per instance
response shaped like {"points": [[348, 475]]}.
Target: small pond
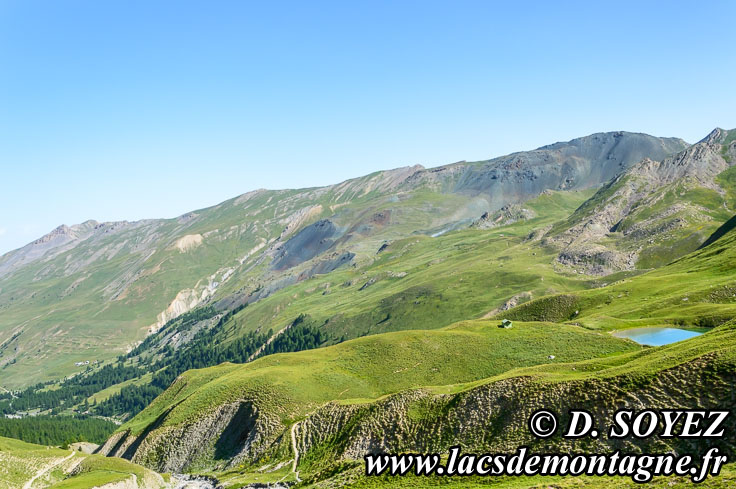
{"points": [[658, 336]]}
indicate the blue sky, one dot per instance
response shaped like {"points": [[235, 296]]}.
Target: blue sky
{"points": [[130, 109]]}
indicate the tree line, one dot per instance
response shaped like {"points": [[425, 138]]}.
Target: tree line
{"points": [[71, 391], [57, 430]]}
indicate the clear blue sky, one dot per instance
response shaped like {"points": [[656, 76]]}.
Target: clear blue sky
{"points": [[129, 109]]}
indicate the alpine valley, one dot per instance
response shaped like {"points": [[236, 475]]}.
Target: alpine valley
{"points": [[275, 339]]}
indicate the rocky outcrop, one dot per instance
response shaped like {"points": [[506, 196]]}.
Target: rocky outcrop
{"points": [[188, 299], [701, 162], [597, 259], [506, 215]]}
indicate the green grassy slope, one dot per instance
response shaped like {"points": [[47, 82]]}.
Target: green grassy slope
{"points": [[693, 373], [490, 415], [96, 471], [21, 462], [371, 367], [416, 283], [429, 282], [426, 278], [478, 271], [94, 301]]}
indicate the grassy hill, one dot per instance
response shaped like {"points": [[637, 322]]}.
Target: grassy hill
{"points": [[418, 282], [20, 461], [24, 463], [368, 368], [696, 290]]}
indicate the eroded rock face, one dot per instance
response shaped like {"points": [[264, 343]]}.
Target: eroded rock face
{"points": [[305, 245], [506, 215], [229, 434], [597, 260], [188, 242], [329, 264]]}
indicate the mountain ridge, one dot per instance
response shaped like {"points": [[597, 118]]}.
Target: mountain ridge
{"points": [[64, 229], [125, 280]]}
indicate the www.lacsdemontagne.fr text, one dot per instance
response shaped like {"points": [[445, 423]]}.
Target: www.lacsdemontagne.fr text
{"points": [[640, 467]]}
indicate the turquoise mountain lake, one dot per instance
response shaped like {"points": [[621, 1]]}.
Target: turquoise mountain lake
{"points": [[657, 336]]}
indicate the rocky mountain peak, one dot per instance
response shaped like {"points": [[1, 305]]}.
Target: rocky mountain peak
{"points": [[715, 136], [719, 136], [59, 231], [702, 162]]}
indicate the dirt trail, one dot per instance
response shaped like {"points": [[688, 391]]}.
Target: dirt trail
{"points": [[46, 469], [296, 451]]}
